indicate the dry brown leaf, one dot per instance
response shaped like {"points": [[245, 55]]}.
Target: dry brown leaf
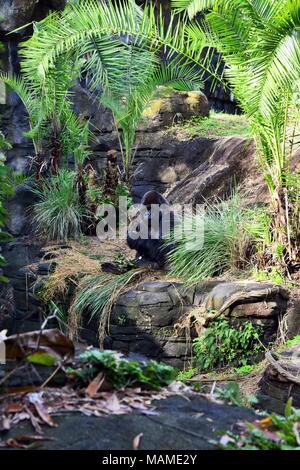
{"points": [[113, 403], [15, 444], [51, 341], [14, 407], [137, 441], [94, 387], [34, 421]]}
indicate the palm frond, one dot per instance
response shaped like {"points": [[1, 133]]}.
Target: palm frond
{"points": [[192, 7]]}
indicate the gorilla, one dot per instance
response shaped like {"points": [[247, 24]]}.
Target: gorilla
{"points": [[149, 228]]}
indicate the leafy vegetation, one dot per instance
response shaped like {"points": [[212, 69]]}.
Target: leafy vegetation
{"points": [[121, 372], [222, 344], [293, 341], [55, 130], [245, 370], [228, 241], [117, 49], [6, 190], [216, 125], [273, 432], [97, 294], [187, 374], [59, 213], [260, 44]]}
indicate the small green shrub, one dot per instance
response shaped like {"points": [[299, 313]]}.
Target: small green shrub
{"points": [[221, 344], [273, 275], [59, 214], [122, 372], [273, 432], [186, 374], [293, 341], [244, 370]]}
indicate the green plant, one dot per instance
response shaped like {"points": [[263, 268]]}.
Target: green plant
{"points": [[59, 313], [230, 393], [214, 126], [225, 246], [6, 190], [187, 374], [56, 132], [222, 344], [118, 48], [18, 179], [58, 214], [273, 275], [244, 370], [260, 44], [293, 341], [121, 372], [97, 294], [273, 432]]}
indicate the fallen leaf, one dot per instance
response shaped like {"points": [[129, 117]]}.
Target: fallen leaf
{"points": [[29, 438], [42, 358], [36, 400], [5, 424], [113, 403], [52, 342], [137, 441], [34, 421], [15, 444], [95, 385], [14, 407]]}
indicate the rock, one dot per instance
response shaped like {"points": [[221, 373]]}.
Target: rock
{"points": [[17, 13], [293, 314], [143, 319], [248, 299], [258, 309], [173, 107], [280, 381], [20, 210], [189, 423]]}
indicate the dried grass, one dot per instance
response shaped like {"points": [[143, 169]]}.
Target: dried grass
{"points": [[70, 264]]}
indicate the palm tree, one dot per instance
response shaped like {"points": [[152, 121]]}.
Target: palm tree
{"points": [[118, 48], [54, 128], [260, 43]]}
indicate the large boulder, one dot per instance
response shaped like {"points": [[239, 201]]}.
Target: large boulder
{"points": [[173, 107], [16, 13]]}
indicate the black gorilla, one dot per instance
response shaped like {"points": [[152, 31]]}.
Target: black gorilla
{"points": [[147, 230]]}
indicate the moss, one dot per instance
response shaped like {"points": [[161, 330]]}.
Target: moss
{"points": [[192, 99], [153, 108]]}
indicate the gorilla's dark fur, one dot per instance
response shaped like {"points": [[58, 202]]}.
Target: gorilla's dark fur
{"points": [[152, 249]]}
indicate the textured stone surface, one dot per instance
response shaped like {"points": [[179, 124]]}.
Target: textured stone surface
{"points": [[17, 13], [276, 389], [143, 319], [174, 107], [180, 423]]}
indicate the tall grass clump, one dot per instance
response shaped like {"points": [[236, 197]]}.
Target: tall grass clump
{"points": [[97, 295], [59, 214], [227, 243]]}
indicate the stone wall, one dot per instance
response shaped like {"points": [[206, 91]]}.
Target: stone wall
{"points": [[144, 320]]}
